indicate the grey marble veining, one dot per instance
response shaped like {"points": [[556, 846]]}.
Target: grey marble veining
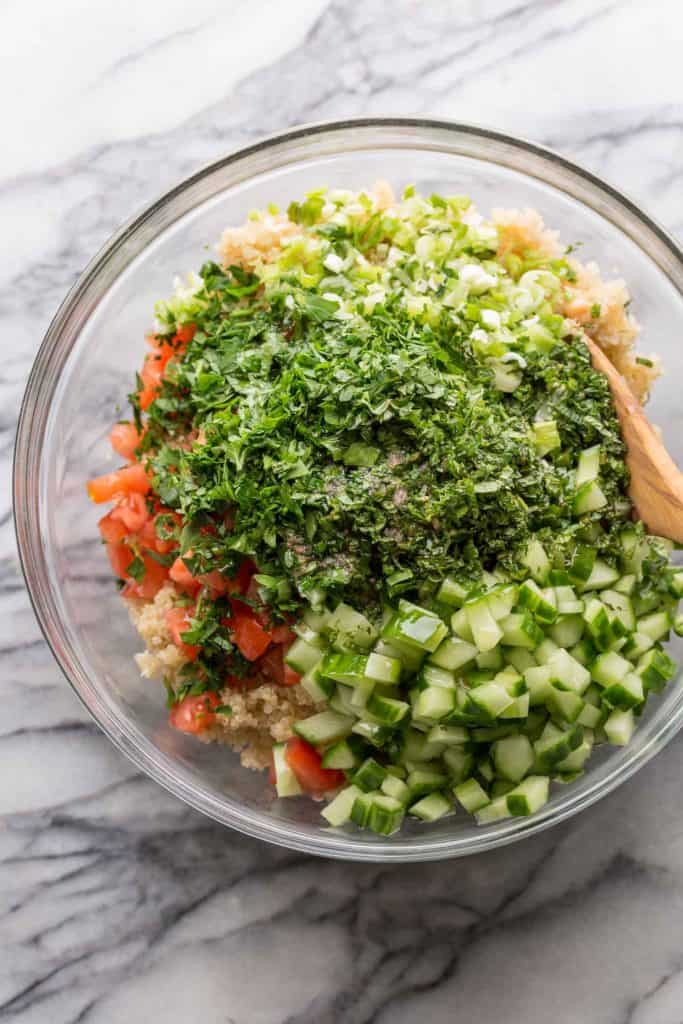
{"points": [[120, 904]]}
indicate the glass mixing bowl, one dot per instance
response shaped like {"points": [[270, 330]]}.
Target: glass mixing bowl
{"points": [[85, 368]]}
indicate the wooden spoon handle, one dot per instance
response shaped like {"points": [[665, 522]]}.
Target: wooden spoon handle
{"points": [[656, 487]]}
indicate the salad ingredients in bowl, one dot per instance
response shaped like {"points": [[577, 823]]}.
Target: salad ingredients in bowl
{"points": [[372, 521]]}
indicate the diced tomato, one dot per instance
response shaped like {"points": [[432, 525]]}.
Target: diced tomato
{"points": [[151, 583], [120, 556], [132, 511], [185, 334], [178, 621], [306, 763], [291, 677], [151, 375], [240, 583], [124, 439], [130, 479], [272, 666], [182, 576], [215, 581], [282, 634], [249, 636], [194, 714], [150, 533], [111, 530]]}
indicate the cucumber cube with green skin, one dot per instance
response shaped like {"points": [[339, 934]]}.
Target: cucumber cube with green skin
{"points": [[490, 659], [588, 466], [534, 724], [546, 437], [459, 763], [518, 709], [512, 680], [316, 685], [418, 748], [621, 609], [396, 788], [558, 578], [602, 576], [433, 703], [576, 760], [501, 599], [386, 815], [432, 675], [520, 658], [425, 780], [449, 735], [590, 716], [564, 704], [494, 811], [488, 700], [585, 651], [513, 757], [626, 584], [453, 654], [529, 796], [581, 566], [485, 769], [520, 630], [554, 744], [460, 625], [325, 727], [619, 727], [451, 592], [609, 668], [370, 775], [486, 631], [387, 710], [338, 811], [655, 669], [589, 497], [377, 735], [568, 629], [499, 787], [656, 626], [286, 782], [431, 807], [637, 645], [383, 669], [416, 627], [361, 694], [676, 583], [628, 693], [344, 755], [545, 651], [360, 809], [537, 561], [489, 733], [568, 673], [302, 656], [349, 630], [344, 668], [598, 623]]}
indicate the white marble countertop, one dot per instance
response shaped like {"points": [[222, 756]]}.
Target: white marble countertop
{"points": [[120, 904]]}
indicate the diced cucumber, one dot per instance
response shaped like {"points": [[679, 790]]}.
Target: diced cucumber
{"points": [[344, 755], [485, 769], [431, 807], [459, 762], [501, 599], [325, 727], [452, 592], [609, 668], [546, 436], [542, 603], [316, 685], [338, 811], [655, 669], [415, 627], [518, 709], [387, 710], [602, 576], [568, 629], [397, 788], [520, 630], [598, 623], [432, 675], [344, 668], [486, 631], [589, 498], [489, 700], [581, 566], [575, 761], [656, 626], [433, 703], [554, 744], [471, 795], [520, 658], [417, 747], [619, 727], [349, 630], [529, 796], [676, 583], [360, 808], [637, 644], [425, 780], [564, 704], [494, 811], [620, 609], [536, 561], [512, 680], [370, 775], [490, 659], [449, 735], [588, 466], [499, 787], [383, 669], [626, 584], [590, 716], [567, 672], [460, 625], [452, 654], [386, 814], [584, 651], [372, 732], [286, 782], [513, 757], [534, 724], [302, 656], [545, 651]]}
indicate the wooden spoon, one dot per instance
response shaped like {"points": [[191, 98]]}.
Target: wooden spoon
{"points": [[656, 488]]}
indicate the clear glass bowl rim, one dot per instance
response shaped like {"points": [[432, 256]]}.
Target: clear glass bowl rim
{"points": [[544, 164]]}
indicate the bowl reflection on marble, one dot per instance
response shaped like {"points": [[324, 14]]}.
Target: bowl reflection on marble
{"points": [[83, 372]]}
